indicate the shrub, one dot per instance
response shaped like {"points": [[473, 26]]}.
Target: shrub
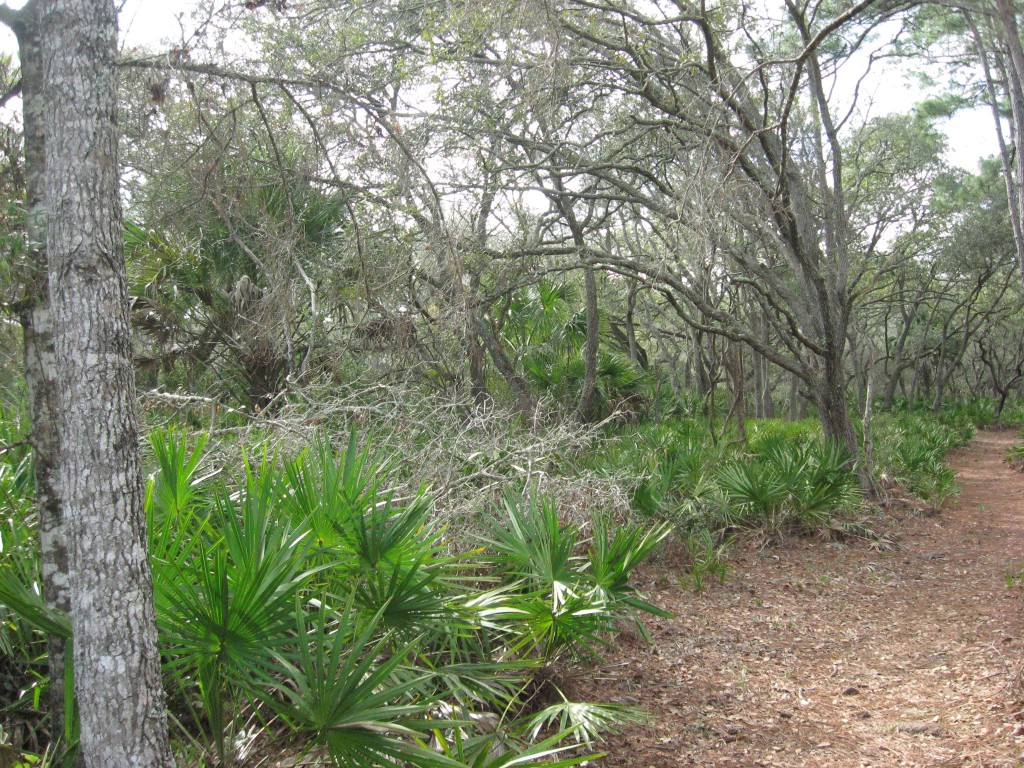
{"points": [[569, 600], [304, 598], [912, 448]]}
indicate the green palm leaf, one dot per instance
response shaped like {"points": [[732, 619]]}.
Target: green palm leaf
{"points": [[345, 690]]}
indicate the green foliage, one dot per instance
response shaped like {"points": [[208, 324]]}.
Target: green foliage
{"points": [[912, 446], [174, 488], [491, 750], [21, 593], [675, 464], [347, 690], [786, 478], [816, 478], [587, 722], [532, 543], [213, 293], [707, 557], [546, 330], [1015, 455], [24, 620], [568, 601], [757, 494], [761, 433], [616, 550], [21, 759], [226, 571], [387, 554], [1013, 414], [967, 415], [24, 617], [304, 599], [1014, 578]]}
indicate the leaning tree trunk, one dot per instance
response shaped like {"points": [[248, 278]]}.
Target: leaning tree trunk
{"points": [[40, 363], [117, 664], [517, 384], [636, 354]]}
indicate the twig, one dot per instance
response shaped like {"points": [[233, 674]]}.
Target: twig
{"points": [[27, 440]]}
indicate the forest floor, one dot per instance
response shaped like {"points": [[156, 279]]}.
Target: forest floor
{"points": [[817, 653]]}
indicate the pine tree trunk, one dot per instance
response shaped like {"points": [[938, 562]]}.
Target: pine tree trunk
{"points": [[39, 360], [117, 664]]}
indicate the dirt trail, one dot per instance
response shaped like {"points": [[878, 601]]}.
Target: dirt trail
{"points": [[829, 654]]}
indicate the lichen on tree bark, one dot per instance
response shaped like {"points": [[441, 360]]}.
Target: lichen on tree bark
{"points": [[117, 665]]}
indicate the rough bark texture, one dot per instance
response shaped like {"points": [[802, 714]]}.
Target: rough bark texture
{"points": [[117, 669], [40, 362], [830, 398]]}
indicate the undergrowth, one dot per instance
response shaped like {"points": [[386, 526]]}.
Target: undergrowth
{"points": [[301, 600], [911, 448], [410, 611]]}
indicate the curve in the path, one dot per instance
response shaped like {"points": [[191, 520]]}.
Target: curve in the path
{"points": [[834, 654]]}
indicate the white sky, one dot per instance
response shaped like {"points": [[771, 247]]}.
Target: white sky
{"points": [[151, 23], [148, 23]]}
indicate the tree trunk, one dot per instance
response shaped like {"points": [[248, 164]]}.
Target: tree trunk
{"points": [[473, 344], [477, 366], [866, 419], [915, 383], [705, 378], [39, 360], [794, 397], [829, 395], [636, 354], [517, 384], [117, 664], [892, 383], [587, 410], [1009, 58], [940, 393], [734, 370], [764, 403], [759, 387]]}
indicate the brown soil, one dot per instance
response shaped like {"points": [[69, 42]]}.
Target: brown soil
{"points": [[837, 654]]}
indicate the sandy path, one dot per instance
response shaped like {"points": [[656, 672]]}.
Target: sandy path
{"points": [[827, 654]]}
